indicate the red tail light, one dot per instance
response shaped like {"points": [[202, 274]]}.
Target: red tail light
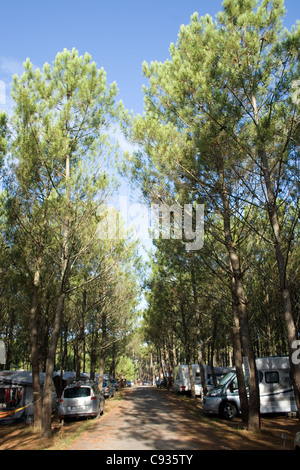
{"points": [[93, 398], [61, 400]]}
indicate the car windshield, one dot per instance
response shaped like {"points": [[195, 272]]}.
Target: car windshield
{"points": [[225, 379], [76, 392]]}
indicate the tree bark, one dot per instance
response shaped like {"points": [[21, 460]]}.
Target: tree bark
{"points": [[187, 349], [80, 345], [198, 320], [272, 211], [48, 383], [238, 359], [35, 360], [103, 343], [35, 363], [238, 293], [284, 283], [191, 376]]}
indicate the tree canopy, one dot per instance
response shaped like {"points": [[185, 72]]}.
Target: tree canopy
{"points": [[219, 131]]}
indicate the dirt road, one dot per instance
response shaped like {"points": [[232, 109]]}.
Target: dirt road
{"points": [[147, 419]]}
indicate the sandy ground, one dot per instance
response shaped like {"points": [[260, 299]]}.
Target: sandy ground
{"points": [[147, 418]]}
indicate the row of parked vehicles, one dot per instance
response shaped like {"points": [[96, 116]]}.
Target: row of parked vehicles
{"points": [[83, 399], [275, 387]]}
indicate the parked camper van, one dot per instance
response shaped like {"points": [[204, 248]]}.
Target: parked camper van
{"points": [[182, 382], [275, 390]]}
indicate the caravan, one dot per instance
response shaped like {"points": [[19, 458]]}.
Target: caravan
{"points": [[275, 390], [182, 383]]}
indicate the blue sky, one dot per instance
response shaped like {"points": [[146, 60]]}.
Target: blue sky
{"points": [[119, 34]]}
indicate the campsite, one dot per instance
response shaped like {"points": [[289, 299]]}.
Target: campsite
{"points": [[120, 415], [150, 221]]}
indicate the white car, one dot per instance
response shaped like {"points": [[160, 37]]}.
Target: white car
{"points": [[81, 399]]}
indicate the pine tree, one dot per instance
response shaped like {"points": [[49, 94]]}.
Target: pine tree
{"points": [[220, 123], [60, 121]]}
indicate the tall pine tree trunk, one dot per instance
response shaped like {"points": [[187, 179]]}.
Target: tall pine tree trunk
{"points": [[80, 343], [187, 348], [35, 364], [35, 360], [198, 332], [103, 342], [281, 258], [238, 360], [48, 383], [50, 364], [238, 293], [284, 283]]}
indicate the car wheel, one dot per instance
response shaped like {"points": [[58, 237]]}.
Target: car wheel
{"points": [[228, 410]]}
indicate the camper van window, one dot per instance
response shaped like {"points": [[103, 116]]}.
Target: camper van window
{"points": [[272, 377], [260, 376], [197, 375]]}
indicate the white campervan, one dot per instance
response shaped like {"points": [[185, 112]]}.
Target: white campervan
{"points": [[275, 390], [182, 383]]}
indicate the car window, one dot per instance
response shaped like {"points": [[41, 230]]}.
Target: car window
{"points": [[76, 392]]}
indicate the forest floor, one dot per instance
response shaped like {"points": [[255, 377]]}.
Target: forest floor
{"points": [[276, 433]]}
